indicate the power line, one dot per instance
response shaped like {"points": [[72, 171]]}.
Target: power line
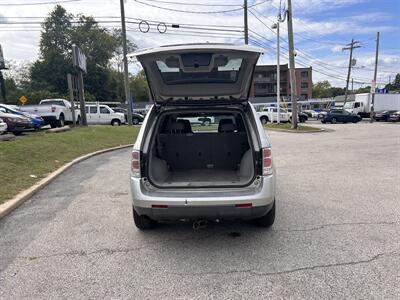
{"points": [[195, 4], [37, 3], [200, 12], [304, 64]]}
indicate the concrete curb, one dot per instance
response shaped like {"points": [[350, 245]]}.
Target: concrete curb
{"points": [[21, 197], [299, 131]]}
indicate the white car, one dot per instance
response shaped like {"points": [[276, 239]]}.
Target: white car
{"points": [[270, 114], [3, 126], [103, 114]]}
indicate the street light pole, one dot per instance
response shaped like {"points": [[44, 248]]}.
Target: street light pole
{"points": [[278, 72], [292, 70], [125, 59]]}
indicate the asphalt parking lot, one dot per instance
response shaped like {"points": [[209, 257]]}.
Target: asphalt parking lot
{"points": [[337, 232]]}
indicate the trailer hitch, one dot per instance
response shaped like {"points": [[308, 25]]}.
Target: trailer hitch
{"points": [[198, 224]]}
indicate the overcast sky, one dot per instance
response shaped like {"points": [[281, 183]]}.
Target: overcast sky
{"points": [[322, 28]]}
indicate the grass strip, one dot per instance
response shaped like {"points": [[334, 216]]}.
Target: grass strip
{"points": [[26, 160]]}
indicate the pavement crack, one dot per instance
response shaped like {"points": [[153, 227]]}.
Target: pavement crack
{"points": [[252, 272], [318, 227], [110, 251]]}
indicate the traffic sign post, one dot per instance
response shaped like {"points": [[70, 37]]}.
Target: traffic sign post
{"points": [[73, 89], [22, 100]]}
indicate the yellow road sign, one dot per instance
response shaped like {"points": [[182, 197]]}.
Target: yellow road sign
{"points": [[23, 100]]}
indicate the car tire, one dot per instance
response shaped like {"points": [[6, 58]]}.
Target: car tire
{"points": [[264, 120], [135, 121], [115, 122], [17, 132], [78, 121], [333, 121], [355, 120], [53, 124], [268, 219], [143, 222], [61, 121], [323, 122]]}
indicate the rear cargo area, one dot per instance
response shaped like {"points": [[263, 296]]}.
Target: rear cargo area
{"points": [[187, 153]]}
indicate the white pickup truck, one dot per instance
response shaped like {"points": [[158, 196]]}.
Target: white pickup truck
{"points": [[56, 112], [270, 114]]}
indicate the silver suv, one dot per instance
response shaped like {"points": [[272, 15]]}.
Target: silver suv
{"points": [[218, 168]]}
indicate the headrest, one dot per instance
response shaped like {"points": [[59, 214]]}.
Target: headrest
{"points": [[176, 126], [187, 128], [226, 125]]}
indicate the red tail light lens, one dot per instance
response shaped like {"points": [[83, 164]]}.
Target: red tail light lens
{"points": [[267, 161], [135, 163]]}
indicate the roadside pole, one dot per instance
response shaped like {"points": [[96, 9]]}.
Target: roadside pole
{"points": [[71, 98], [354, 44], [278, 71], [372, 113], [292, 69], [79, 61], [125, 59], [246, 27]]}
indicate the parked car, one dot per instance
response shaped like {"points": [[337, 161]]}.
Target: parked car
{"points": [[311, 113], [103, 114], [340, 115], [321, 114], [36, 121], [3, 126], [225, 173], [270, 114], [137, 118], [15, 123], [56, 112], [383, 115], [302, 117], [395, 117]]}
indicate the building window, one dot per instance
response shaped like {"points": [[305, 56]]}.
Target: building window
{"points": [[304, 74], [304, 85]]}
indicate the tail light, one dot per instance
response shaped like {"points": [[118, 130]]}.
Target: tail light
{"points": [[53, 109], [267, 161], [135, 163]]}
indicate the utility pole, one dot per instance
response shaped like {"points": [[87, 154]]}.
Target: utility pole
{"points": [[352, 82], [354, 44], [375, 73], [292, 69], [125, 59], [246, 27]]}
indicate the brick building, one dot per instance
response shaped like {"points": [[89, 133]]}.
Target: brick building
{"points": [[264, 82]]}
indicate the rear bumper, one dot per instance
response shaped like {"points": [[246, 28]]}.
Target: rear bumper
{"points": [[207, 212], [212, 204]]}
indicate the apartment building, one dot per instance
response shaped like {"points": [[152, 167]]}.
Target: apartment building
{"points": [[265, 83]]}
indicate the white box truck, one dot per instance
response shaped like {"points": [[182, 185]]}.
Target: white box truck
{"points": [[362, 103]]}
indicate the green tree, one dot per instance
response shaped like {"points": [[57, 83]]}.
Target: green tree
{"points": [[100, 46], [322, 89], [139, 87], [395, 85], [50, 71]]}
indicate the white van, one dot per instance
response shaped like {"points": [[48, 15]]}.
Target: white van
{"points": [[103, 114]]}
